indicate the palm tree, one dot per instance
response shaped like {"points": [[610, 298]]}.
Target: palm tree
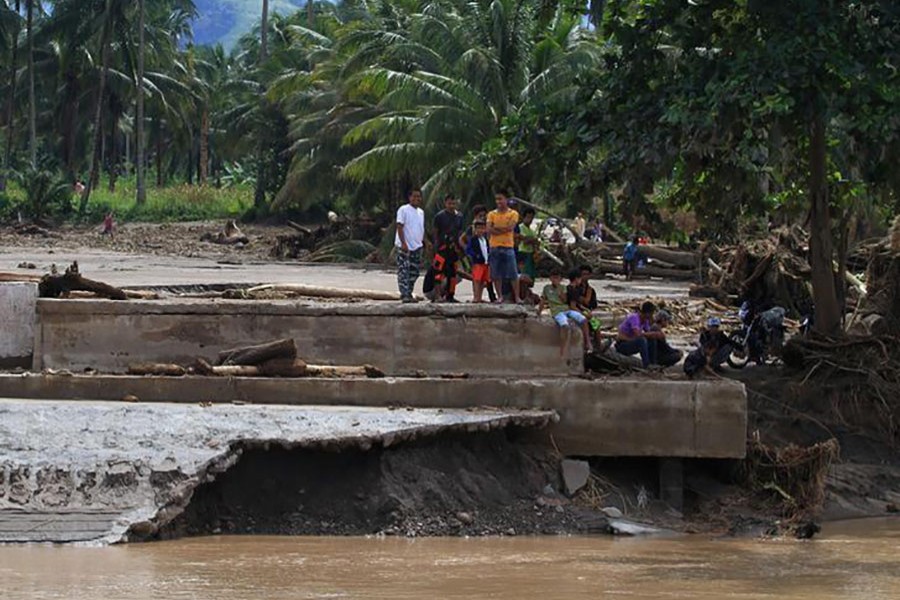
{"points": [[10, 25], [32, 106], [448, 81], [139, 117], [264, 32]]}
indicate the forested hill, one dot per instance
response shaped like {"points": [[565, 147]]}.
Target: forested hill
{"points": [[226, 20]]}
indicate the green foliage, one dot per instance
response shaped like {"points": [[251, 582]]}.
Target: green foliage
{"points": [[172, 203], [45, 195]]}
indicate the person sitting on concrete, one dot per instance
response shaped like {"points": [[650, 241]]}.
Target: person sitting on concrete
{"points": [[661, 353], [585, 299], [478, 251], [555, 296], [712, 351], [634, 334], [588, 297]]}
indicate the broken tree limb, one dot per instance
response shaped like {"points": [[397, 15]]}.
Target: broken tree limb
{"points": [[853, 280], [160, 369], [552, 257], [259, 353], [300, 228], [317, 291], [54, 285]]}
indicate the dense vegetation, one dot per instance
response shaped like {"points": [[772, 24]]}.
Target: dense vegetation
{"points": [[732, 111]]}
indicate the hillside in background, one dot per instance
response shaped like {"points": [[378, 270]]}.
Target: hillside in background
{"points": [[224, 21]]}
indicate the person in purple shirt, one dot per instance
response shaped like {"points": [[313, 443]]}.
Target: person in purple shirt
{"points": [[635, 333]]}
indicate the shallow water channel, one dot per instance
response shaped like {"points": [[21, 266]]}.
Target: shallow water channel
{"points": [[850, 560]]}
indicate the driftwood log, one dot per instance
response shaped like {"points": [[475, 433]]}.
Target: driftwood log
{"points": [[344, 371], [260, 353], [55, 285], [160, 369], [286, 368], [317, 291]]}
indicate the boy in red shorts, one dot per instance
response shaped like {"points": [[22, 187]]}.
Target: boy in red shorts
{"points": [[478, 251]]}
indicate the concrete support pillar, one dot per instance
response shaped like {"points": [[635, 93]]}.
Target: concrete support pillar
{"points": [[671, 482], [18, 302]]}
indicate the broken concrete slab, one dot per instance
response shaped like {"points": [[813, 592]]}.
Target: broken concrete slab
{"points": [[575, 474], [139, 464]]}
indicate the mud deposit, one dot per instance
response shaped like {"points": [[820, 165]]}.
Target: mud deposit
{"points": [[484, 484]]}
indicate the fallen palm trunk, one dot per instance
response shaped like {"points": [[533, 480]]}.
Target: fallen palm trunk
{"points": [[317, 291], [676, 258], [55, 285], [259, 353], [610, 266]]}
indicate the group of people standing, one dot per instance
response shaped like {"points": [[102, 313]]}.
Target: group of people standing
{"points": [[499, 246]]}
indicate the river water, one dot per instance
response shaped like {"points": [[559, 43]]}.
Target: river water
{"points": [[851, 560]]}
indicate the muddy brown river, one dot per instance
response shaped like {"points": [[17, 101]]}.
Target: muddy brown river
{"points": [[851, 560]]}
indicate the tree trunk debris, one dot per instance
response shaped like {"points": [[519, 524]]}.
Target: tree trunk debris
{"points": [[260, 353], [54, 285]]}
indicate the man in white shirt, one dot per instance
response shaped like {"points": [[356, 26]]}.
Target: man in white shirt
{"points": [[409, 240]]}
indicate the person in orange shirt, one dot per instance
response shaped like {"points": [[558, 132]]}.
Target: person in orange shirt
{"points": [[501, 225]]}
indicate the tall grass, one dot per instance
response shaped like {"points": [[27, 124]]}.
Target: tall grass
{"points": [[179, 202]]}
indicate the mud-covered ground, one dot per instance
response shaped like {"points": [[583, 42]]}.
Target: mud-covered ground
{"points": [[160, 239]]}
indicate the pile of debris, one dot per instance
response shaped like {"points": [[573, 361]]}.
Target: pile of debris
{"points": [[879, 311], [657, 261], [793, 476], [230, 235], [771, 270], [278, 358], [340, 240]]}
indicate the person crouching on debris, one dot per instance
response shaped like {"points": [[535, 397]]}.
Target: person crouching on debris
{"points": [[555, 296], [634, 333], [478, 251], [712, 351], [661, 353]]}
